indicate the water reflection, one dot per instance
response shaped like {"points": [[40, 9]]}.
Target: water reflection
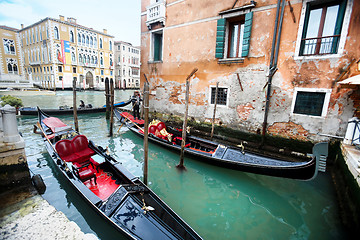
{"points": [[218, 203]]}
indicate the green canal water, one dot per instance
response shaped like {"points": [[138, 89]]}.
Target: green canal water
{"points": [[218, 203]]}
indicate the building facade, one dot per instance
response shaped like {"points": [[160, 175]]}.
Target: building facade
{"points": [[127, 65], [57, 51], [11, 62], [231, 42]]}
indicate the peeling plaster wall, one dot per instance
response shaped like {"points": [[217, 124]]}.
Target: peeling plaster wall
{"points": [[189, 41]]}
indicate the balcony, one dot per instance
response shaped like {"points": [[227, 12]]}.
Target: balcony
{"points": [[156, 13]]}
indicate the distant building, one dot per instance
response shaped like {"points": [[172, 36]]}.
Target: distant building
{"points": [[54, 52], [230, 42], [127, 65], [12, 72]]}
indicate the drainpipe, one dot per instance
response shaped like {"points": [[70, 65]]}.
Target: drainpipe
{"points": [[273, 62]]}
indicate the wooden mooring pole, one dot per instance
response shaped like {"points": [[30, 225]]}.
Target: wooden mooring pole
{"points": [[74, 106], [215, 102], [146, 128], [111, 107], [107, 99], [181, 164]]}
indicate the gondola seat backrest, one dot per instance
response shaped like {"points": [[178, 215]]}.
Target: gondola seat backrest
{"points": [[161, 126], [66, 151], [152, 129], [81, 147]]}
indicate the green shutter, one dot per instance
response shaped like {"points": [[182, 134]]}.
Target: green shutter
{"points": [[306, 23], [220, 38], [157, 47], [338, 26], [247, 34]]}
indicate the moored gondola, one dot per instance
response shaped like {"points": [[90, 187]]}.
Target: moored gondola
{"points": [[228, 156], [122, 199], [65, 110]]}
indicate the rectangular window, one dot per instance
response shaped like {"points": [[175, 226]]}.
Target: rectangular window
{"points": [[60, 68], [237, 31], [157, 46], [236, 35], [221, 96], [102, 71], [60, 78], [74, 69], [322, 28], [312, 102]]}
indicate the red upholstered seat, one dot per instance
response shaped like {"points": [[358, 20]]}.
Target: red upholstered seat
{"points": [[81, 147], [66, 151], [86, 174], [161, 126], [152, 129]]}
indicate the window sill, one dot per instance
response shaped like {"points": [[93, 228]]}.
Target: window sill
{"points": [[230, 60], [159, 61], [316, 57]]}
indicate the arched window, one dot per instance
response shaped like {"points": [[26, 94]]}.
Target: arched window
{"points": [[83, 39], [10, 68], [88, 59], [110, 46], [111, 62], [56, 33], [80, 58], [71, 36], [101, 61], [15, 68], [79, 38], [92, 60], [87, 40], [95, 42], [73, 59], [100, 43], [91, 41], [96, 60]]}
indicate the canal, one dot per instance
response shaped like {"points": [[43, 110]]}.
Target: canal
{"points": [[218, 203]]}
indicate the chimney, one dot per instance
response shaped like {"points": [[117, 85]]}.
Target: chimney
{"points": [[62, 18], [105, 31], [22, 26]]}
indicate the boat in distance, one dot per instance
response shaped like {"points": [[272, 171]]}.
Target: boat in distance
{"points": [[122, 199], [65, 110], [228, 156]]}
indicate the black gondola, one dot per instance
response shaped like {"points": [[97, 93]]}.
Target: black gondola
{"points": [[65, 110], [230, 157], [120, 198]]}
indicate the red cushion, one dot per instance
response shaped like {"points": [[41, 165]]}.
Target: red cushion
{"points": [[161, 126], [86, 174], [80, 143], [65, 150], [152, 129], [81, 147]]}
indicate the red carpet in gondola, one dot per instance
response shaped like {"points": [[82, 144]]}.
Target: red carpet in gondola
{"points": [[105, 184]]}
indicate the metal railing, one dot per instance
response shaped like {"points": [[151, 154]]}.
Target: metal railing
{"points": [[320, 45]]}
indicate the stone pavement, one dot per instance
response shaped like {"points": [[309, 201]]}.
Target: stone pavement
{"points": [[34, 218]]}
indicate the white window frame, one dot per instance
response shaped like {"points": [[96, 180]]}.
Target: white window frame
{"points": [[227, 96], [151, 52], [344, 33], [319, 90]]}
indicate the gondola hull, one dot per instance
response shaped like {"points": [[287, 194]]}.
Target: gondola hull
{"points": [[32, 111], [234, 158], [131, 207]]}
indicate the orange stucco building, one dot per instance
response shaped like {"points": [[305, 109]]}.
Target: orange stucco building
{"points": [[231, 42]]}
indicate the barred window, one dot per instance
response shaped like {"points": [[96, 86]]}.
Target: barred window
{"points": [[309, 103], [221, 96]]}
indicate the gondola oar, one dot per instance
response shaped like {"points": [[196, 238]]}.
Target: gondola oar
{"points": [[125, 120], [132, 122]]}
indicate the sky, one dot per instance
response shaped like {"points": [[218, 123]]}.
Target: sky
{"points": [[121, 18]]}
